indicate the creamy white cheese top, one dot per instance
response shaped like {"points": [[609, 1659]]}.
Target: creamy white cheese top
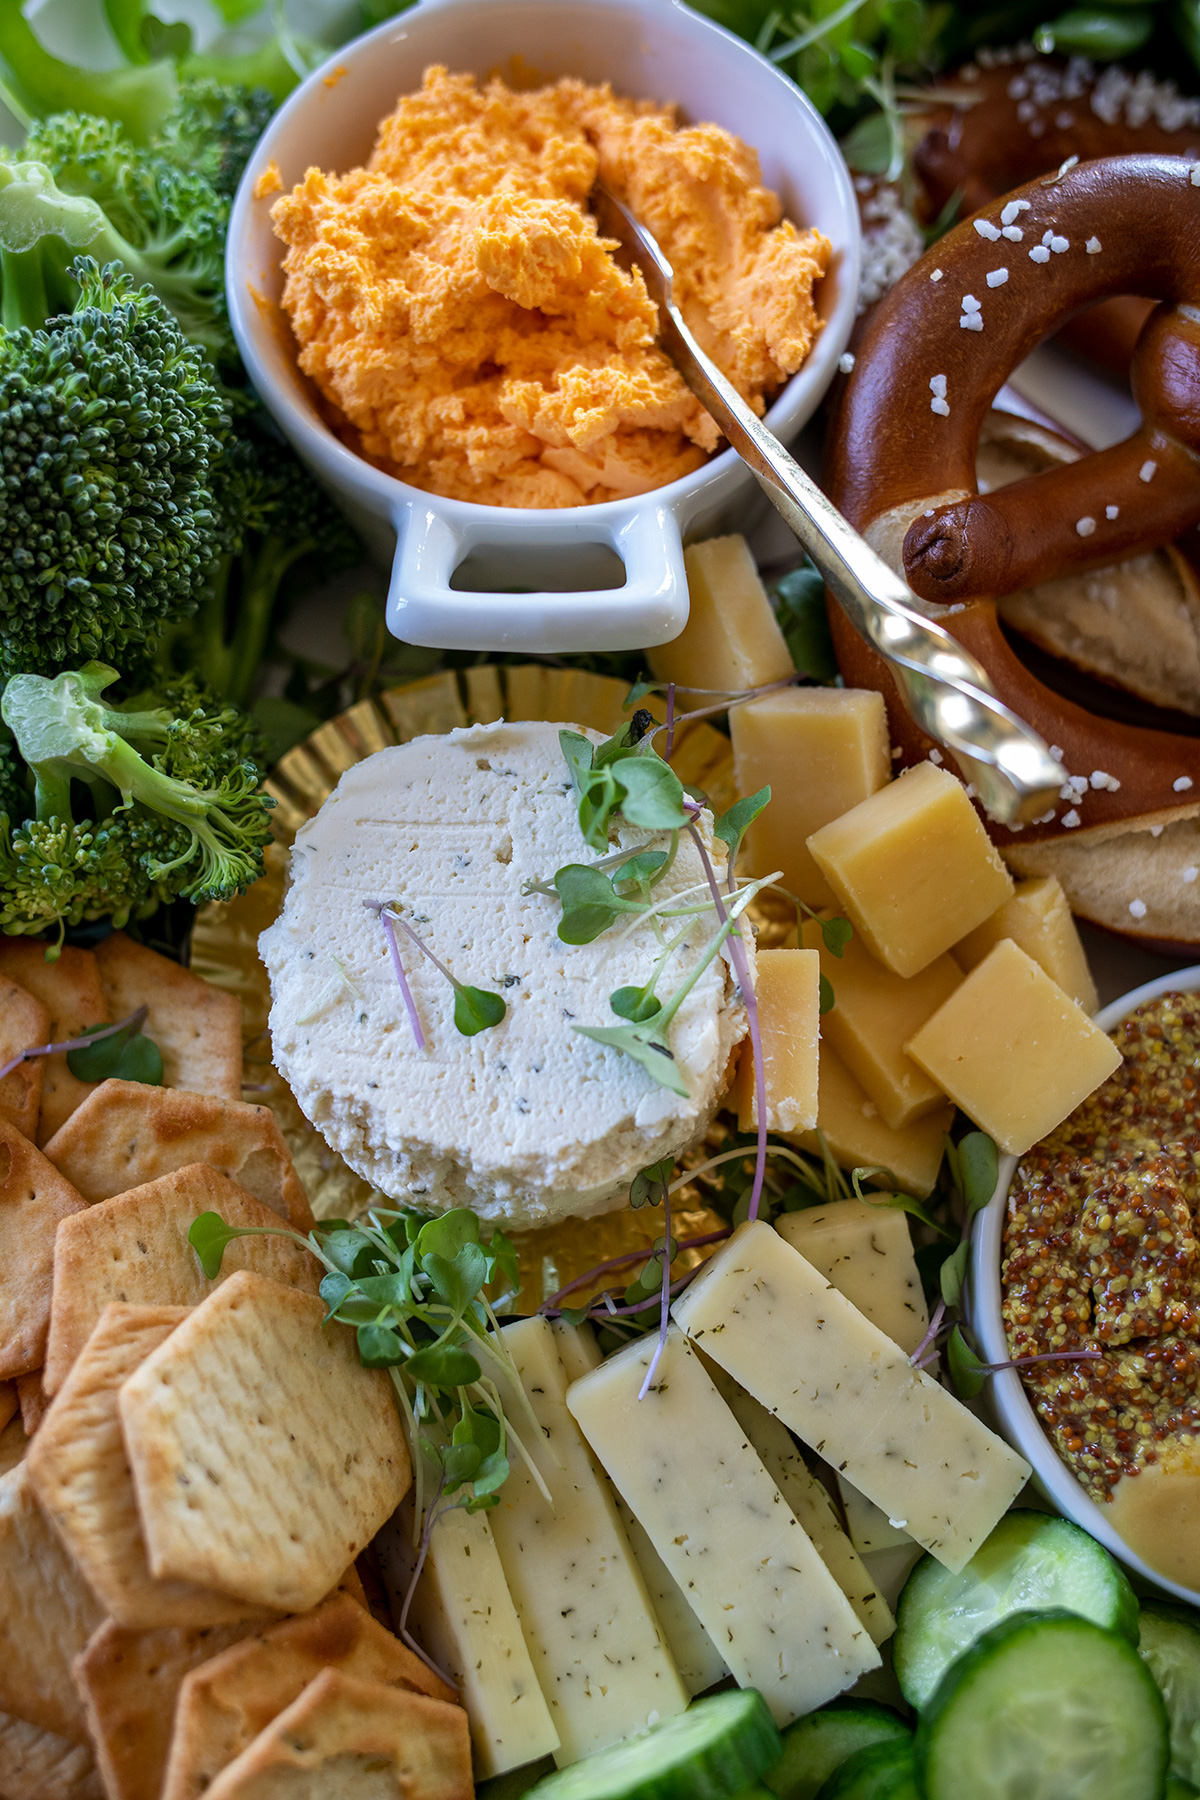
{"points": [[528, 1121]]}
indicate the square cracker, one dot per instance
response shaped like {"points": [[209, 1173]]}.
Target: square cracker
{"points": [[34, 1197], [264, 1455], [128, 1681], [196, 1026], [80, 1473], [126, 1134], [24, 1022], [224, 1704], [40, 1765], [134, 1249], [340, 1731], [47, 1614], [71, 991]]}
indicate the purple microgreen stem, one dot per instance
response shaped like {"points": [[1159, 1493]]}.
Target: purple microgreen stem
{"points": [[1045, 1356], [389, 931], [136, 1018], [741, 968], [610, 1310], [670, 738], [402, 1631], [624, 1262], [738, 698], [929, 1340]]}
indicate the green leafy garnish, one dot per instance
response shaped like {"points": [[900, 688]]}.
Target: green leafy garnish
{"points": [[978, 1170], [123, 1055], [953, 1273], [475, 1010], [624, 774], [646, 1044], [836, 934], [635, 1003], [828, 999], [590, 903], [799, 598], [968, 1371], [649, 1186], [731, 827]]}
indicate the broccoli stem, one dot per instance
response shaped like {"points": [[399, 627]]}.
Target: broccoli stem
{"points": [[26, 301], [229, 663], [36, 84]]}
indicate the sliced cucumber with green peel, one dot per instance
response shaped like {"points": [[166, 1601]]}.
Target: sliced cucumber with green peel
{"points": [[715, 1750], [1032, 1560], [820, 1743], [1045, 1706], [878, 1772], [1170, 1645]]}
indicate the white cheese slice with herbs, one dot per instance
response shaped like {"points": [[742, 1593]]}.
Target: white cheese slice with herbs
{"points": [[776, 1325], [866, 1251], [809, 1501], [597, 1647], [464, 1615], [683, 1466], [527, 1121], [697, 1658]]}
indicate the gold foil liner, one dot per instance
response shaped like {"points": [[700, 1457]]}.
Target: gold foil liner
{"points": [[225, 939]]}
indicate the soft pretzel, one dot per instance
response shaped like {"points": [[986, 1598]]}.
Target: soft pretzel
{"points": [[1016, 115], [902, 451]]}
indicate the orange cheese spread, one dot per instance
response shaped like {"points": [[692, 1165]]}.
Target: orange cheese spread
{"points": [[454, 303]]}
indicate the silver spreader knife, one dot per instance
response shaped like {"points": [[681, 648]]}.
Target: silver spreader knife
{"points": [[946, 690]]}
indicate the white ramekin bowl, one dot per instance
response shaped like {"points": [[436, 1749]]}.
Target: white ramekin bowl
{"points": [[1009, 1402], [654, 49]]}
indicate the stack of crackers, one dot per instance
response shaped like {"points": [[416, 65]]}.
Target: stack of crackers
{"points": [[188, 1468]]}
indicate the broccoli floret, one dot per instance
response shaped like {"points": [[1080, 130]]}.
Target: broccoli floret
{"points": [[213, 129], [272, 515], [174, 798], [164, 224], [109, 428]]}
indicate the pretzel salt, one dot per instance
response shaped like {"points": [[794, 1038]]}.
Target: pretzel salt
{"points": [[902, 449]]}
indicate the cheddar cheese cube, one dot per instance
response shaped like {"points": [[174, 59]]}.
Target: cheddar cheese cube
{"points": [[1013, 1050], [875, 1012], [1038, 920], [821, 751], [787, 993], [913, 868], [857, 1137], [731, 639]]}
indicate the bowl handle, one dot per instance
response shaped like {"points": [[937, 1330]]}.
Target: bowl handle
{"points": [[649, 607]]}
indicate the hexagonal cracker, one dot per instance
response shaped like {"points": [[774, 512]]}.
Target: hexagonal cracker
{"points": [[264, 1455]]}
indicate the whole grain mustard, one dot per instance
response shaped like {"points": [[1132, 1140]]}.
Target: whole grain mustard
{"points": [[455, 305]]}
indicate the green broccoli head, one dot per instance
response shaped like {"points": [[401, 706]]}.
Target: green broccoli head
{"points": [[109, 427], [213, 129], [174, 799]]}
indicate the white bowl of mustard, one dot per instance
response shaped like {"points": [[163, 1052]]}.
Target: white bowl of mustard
{"points": [[609, 575], [1133, 1532]]}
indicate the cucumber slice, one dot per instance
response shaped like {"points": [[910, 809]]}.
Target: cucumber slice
{"points": [[1045, 1706], [820, 1743], [1178, 1789], [878, 1772], [717, 1748], [1031, 1561], [1170, 1645]]}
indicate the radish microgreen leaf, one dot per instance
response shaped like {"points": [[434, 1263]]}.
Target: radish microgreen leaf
{"points": [[636, 1003]]}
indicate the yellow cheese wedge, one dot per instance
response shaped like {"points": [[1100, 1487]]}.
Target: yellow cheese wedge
{"points": [[731, 639], [787, 992], [821, 751], [777, 1326], [866, 1252], [875, 1012], [857, 1137], [1014, 1051], [913, 868], [1038, 920]]}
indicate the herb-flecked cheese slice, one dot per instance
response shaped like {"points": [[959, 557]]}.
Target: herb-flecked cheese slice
{"points": [[682, 1464], [598, 1649], [465, 1616], [778, 1327]]}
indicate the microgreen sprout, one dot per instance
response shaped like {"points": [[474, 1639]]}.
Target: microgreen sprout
{"points": [[103, 1051], [623, 775], [968, 1371], [475, 1009]]}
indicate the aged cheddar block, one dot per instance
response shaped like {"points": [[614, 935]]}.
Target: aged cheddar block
{"points": [[1014, 1051], [809, 1501], [731, 639], [684, 1467], [821, 751], [866, 1252], [1038, 920], [852, 1127], [787, 992], [913, 868], [465, 1617], [875, 1012], [597, 1648], [776, 1325]]}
